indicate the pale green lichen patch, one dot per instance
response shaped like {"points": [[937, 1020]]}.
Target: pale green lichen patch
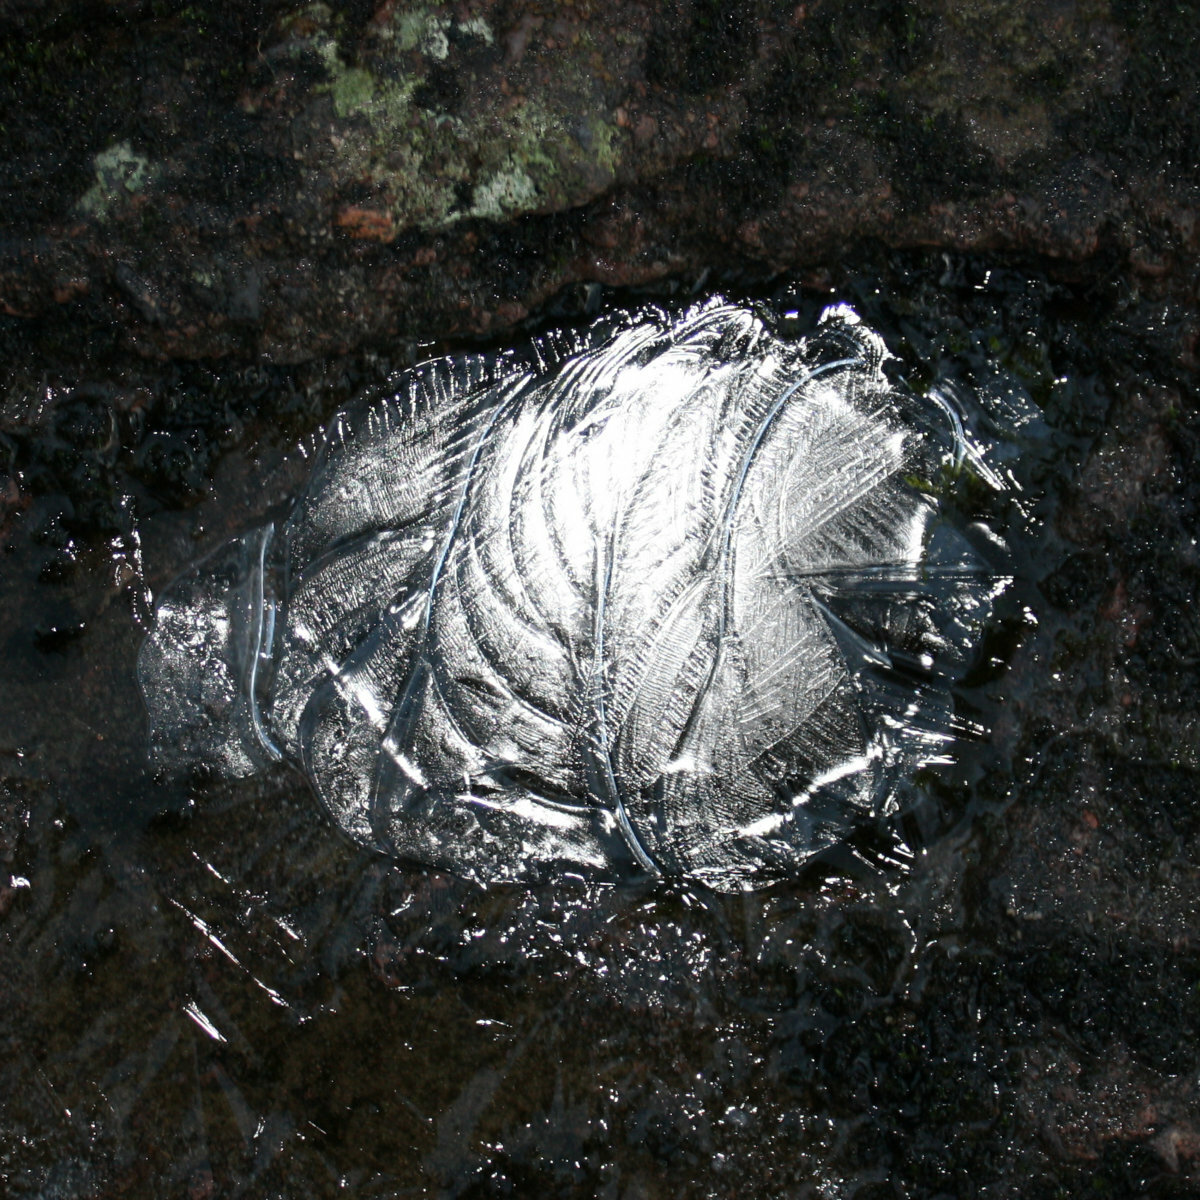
{"points": [[352, 92], [429, 31], [526, 158], [480, 150], [120, 172], [477, 27], [507, 191]]}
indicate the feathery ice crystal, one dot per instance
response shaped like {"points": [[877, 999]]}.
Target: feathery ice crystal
{"points": [[677, 595]]}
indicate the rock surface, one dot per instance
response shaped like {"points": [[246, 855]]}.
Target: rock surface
{"points": [[286, 180], [216, 995]]}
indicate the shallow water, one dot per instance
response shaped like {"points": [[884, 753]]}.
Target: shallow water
{"points": [[208, 991]]}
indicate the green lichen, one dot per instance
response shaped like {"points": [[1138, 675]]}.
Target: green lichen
{"points": [[532, 159], [492, 157], [425, 31], [478, 27], [504, 192], [428, 30], [517, 162], [607, 152], [420, 197], [353, 91], [120, 172]]}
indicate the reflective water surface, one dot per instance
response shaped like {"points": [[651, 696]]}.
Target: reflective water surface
{"points": [[209, 989]]}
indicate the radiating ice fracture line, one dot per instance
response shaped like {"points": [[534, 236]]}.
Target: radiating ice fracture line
{"points": [[604, 578], [193, 1010], [202, 926], [258, 642]]}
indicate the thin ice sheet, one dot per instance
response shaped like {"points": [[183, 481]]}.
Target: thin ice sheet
{"points": [[677, 595]]}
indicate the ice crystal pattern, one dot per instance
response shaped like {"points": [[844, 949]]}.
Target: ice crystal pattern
{"points": [[677, 595]]}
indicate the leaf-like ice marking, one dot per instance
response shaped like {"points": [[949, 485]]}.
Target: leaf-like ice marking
{"points": [[675, 594]]}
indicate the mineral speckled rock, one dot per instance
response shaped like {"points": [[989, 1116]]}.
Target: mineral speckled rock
{"points": [[292, 179], [675, 595]]}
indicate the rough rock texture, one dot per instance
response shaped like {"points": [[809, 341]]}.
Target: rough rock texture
{"points": [[215, 996], [208, 992], [288, 180]]}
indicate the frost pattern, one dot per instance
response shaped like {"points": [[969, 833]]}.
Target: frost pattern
{"points": [[675, 595]]}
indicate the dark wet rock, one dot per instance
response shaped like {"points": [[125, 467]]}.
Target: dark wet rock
{"points": [[1010, 1011], [996, 997], [289, 179]]}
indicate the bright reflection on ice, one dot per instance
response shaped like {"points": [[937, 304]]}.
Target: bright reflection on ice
{"points": [[675, 594], [193, 1010]]}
